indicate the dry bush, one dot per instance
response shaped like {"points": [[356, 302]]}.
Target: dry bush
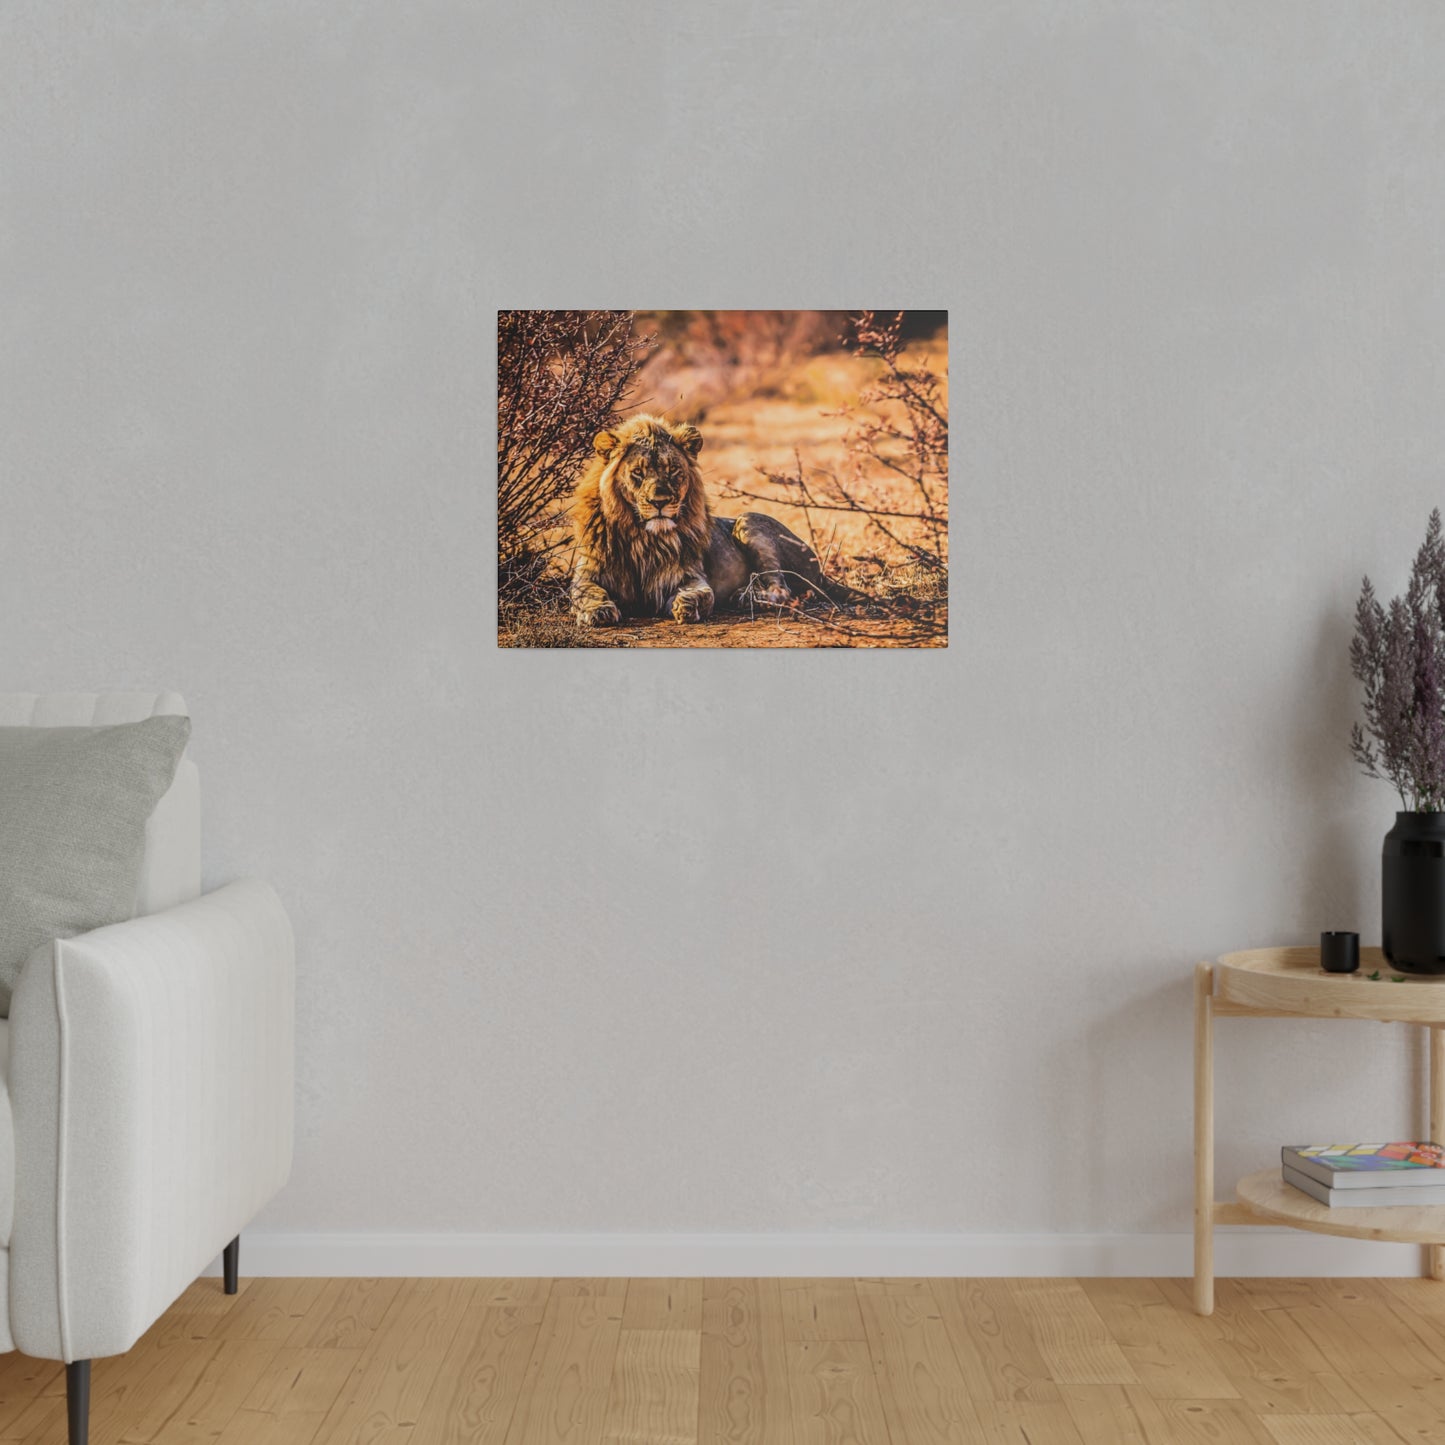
{"points": [[901, 426], [897, 432], [562, 377], [546, 624]]}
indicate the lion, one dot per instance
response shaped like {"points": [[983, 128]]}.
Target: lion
{"points": [[649, 546]]}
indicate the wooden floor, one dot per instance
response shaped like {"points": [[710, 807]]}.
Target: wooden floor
{"points": [[765, 1362]]}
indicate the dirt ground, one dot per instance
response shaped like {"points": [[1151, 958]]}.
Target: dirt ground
{"points": [[726, 630]]}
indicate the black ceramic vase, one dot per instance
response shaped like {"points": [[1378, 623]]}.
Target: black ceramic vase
{"points": [[1414, 893]]}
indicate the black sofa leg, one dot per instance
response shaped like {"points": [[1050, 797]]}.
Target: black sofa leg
{"points": [[77, 1374], [77, 1401]]}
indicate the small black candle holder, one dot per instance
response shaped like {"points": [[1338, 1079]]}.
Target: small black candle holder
{"points": [[1340, 952]]}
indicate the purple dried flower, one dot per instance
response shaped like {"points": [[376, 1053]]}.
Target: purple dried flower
{"points": [[1399, 656], [1427, 728]]}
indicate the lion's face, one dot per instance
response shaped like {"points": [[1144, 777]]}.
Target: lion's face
{"points": [[650, 470]]}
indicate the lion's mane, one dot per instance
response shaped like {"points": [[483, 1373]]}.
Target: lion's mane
{"points": [[641, 569]]}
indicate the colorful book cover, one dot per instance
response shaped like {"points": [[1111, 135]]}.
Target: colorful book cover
{"points": [[1365, 1158]]}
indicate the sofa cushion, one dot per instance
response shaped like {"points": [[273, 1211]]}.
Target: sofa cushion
{"points": [[171, 872], [74, 802]]}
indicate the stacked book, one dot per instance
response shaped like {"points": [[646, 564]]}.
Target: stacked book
{"points": [[1367, 1176]]}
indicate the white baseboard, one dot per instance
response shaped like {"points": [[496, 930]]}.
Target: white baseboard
{"points": [[1244, 1252]]}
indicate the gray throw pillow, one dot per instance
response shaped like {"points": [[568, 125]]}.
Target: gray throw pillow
{"points": [[74, 803]]}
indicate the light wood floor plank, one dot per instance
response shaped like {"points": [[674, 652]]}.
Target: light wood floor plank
{"points": [[1276, 1293], [1421, 1312], [1419, 1295], [291, 1398], [995, 1348], [271, 1309], [346, 1315], [177, 1370], [1358, 1305], [569, 1378], [596, 1288], [230, 1375], [1268, 1375], [1028, 1422], [654, 1388], [821, 1309], [513, 1291], [663, 1304], [1204, 1422], [1107, 1414], [918, 1287], [925, 1397], [44, 1421], [1413, 1408], [1330, 1430], [743, 1376], [1074, 1342], [398, 1368], [22, 1381], [476, 1391], [1319, 1326], [1164, 1345], [1278, 1324], [834, 1394], [203, 1297]]}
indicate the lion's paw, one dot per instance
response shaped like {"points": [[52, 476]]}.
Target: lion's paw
{"points": [[605, 614], [692, 606], [773, 593]]}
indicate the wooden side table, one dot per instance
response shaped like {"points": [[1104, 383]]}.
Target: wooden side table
{"points": [[1289, 983]]}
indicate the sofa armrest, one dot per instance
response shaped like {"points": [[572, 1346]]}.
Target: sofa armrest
{"points": [[151, 1081]]}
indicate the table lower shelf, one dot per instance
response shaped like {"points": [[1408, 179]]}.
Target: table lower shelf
{"points": [[1268, 1197]]}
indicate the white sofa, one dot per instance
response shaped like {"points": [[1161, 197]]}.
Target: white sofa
{"points": [[148, 1078]]}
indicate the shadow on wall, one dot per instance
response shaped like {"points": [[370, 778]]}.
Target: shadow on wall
{"points": [[1340, 840], [1142, 1048], [1333, 890]]}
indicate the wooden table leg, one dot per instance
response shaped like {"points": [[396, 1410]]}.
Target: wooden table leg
{"points": [[1435, 1253], [1204, 1138]]}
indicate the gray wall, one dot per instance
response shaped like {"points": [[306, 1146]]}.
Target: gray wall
{"points": [[744, 942]]}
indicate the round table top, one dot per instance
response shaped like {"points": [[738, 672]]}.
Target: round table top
{"points": [[1291, 981]]}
